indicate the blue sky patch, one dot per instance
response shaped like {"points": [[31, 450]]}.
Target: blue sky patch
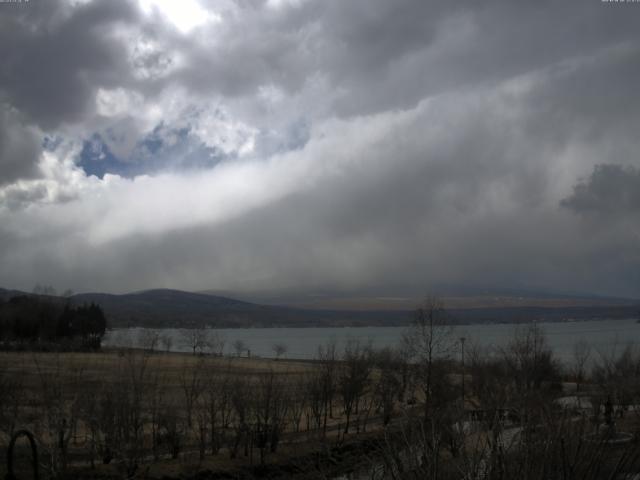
{"points": [[151, 155]]}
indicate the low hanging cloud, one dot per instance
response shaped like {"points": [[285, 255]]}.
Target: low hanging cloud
{"points": [[321, 149], [610, 189]]}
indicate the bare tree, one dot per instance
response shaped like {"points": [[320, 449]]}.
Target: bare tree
{"points": [[219, 407], [491, 390], [388, 384], [298, 400], [315, 387], [279, 349], [239, 347], [269, 410], [328, 378], [157, 403], [167, 342], [59, 401], [12, 396], [172, 429], [530, 358], [192, 385], [354, 377], [47, 290], [196, 339], [529, 362], [201, 426], [116, 411], [240, 399], [216, 343], [149, 339], [429, 341], [581, 354], [617, 372], [130, 398]]}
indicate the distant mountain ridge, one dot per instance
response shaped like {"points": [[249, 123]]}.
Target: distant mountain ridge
{"points": [[160, 308], [453, 298], [176, 308]]}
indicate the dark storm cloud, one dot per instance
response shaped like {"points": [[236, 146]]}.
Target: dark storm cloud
{"points": [[384, 55], [19, 147], [381, 54], [426, 49], [610, 189], [54, 61]]}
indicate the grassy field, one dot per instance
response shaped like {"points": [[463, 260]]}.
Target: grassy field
{"points": [[137, 414], [108, 363], [168, 410]]}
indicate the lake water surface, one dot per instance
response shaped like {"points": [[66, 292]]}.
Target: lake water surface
{"points": [[302, 343]]}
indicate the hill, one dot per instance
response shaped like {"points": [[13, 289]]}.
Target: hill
{"points": [[174, 308]]}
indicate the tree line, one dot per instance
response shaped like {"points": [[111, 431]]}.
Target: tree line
{"points": [[30, 319]]}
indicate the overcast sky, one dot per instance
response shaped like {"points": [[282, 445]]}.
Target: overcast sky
{"points": [[364, 146]]}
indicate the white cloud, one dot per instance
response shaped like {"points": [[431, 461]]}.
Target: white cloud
{"points": [[185, 15], [213, 127], [278, 4], [117, 102]]}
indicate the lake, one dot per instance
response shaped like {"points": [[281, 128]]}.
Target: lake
{"points": [[302, 343]]}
